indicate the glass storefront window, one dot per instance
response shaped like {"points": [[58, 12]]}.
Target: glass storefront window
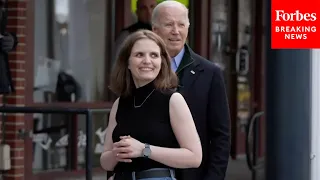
{"points": [[219, 34], [69, 66], [52, 142], [70, 42]]}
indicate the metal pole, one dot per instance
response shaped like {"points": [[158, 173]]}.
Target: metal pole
{"points": [[288, 111], [89, 150]]}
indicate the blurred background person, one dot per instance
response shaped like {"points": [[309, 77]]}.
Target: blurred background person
{"points": [[144, 13]]}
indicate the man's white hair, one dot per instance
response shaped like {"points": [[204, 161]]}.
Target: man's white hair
{"points": [[167, 3]]}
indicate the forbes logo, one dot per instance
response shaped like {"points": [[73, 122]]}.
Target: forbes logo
{"points": [[281, 15]]}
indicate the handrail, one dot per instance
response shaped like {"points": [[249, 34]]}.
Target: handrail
{"points": [[59, 110], [253, 128]]}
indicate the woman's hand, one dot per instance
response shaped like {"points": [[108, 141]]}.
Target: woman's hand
{"points": [[127, 148]]}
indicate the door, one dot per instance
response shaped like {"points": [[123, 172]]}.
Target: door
{"points": [[223, 53], [236, 48]]}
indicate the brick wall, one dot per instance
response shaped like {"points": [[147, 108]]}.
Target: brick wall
{"points": [[17, 60]]}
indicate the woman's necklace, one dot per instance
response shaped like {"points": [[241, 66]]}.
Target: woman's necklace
{"points": [[134, 100]]}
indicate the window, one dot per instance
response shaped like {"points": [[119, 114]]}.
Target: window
{"points": [[70, 40], [70, 65], [52, 141]]}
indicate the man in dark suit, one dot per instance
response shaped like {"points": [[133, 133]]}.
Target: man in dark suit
{"points": [[202, 85]]}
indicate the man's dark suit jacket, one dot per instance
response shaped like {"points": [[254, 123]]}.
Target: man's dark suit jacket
{"points": [[202, 85]]}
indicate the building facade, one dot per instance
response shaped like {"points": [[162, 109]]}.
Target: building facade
{"points": [[74, 39]]}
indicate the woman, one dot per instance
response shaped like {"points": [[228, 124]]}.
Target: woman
{"points": [[151, 130]]}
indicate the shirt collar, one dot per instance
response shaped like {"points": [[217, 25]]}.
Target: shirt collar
{"points": [[178, 57]]}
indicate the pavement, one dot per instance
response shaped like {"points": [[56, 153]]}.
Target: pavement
{"points": [[238, 170]]}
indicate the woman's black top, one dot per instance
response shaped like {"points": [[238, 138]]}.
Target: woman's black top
{"points": [[149, 123]]}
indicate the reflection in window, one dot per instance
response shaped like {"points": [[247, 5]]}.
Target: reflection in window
{"points": [[69, 65], [70, 51], [244, 52], [219, 31], [58, 145]]}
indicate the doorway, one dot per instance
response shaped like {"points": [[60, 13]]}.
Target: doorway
{"points": [[237, 48]]}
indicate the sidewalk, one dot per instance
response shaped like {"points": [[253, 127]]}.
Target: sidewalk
{"points": [[238, 170]]}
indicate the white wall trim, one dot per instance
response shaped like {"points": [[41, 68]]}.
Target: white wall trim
{"points": [[315, 114]]}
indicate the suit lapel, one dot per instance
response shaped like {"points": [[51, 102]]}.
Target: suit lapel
{"points": [[190, 75], [188, 70]]}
